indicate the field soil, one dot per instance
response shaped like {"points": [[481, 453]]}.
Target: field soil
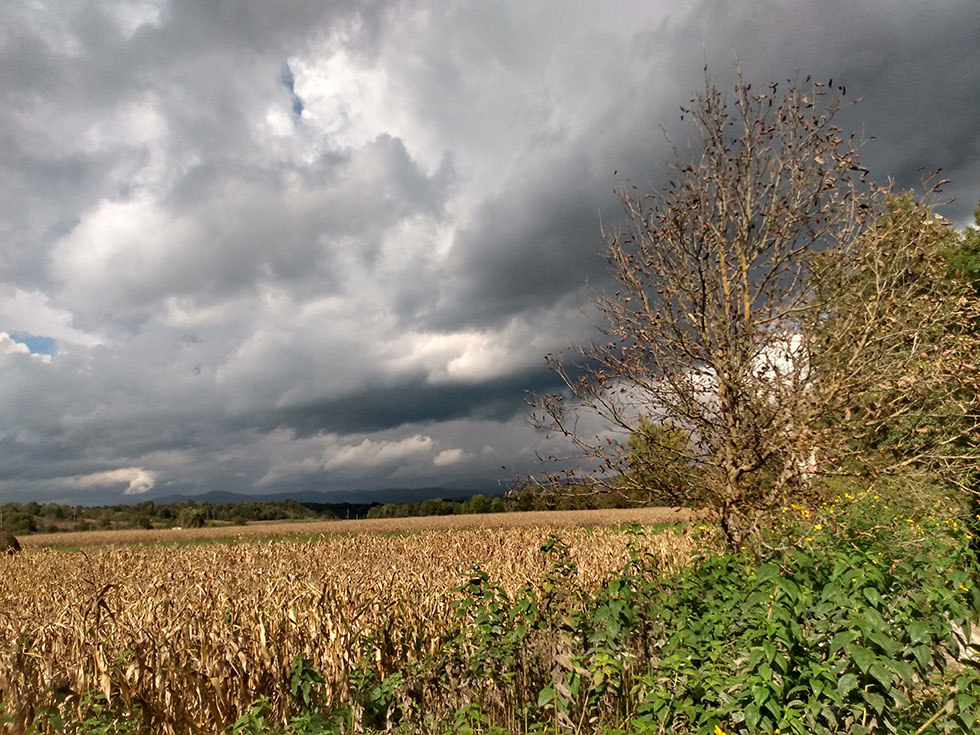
{"points": [[280, 529]]}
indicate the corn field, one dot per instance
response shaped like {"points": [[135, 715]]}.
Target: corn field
{"points": [[186, 639]]}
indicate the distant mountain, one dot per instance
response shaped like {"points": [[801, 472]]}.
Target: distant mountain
{"points": [[397, 495]]}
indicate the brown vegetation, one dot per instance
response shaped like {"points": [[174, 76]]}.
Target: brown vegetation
{"points": [[8, 542], [188, 638]]}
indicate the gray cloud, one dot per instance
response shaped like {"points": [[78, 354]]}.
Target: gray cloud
{"points": [[347, 275]]}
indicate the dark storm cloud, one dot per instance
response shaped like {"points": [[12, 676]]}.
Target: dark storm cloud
{"points": [[328, 245], [916, 66], [918, 72], [378, 408], [529, 246]]}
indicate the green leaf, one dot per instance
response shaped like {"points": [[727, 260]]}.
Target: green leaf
{"points": [[901, 701], [862, 657], [918, 632], [883, 675], [790, 588], [872, 595], [875, 700], [546, 696], [923, 654], [902, 668], [781, 663], [817, 687], [840, 640], [965, 701], [846, 684], [770, 651], [883, 642], [752, 717], [875, 622], [766, 572], [828, 714]]}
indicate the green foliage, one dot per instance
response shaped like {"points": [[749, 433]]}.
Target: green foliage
{"points": [[92, 715], [823, 638], [375, 694], [19, 522], [529, 498], [122, 517], [963, 254], [857, 628], [52, 518], [255, 721], [191, 518], [305, 685], [656, 461], [484, 504]]}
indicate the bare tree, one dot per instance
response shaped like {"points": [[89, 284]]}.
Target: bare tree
{"points": [[740, 318]]}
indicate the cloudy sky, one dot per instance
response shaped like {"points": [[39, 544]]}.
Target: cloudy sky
{"points": [[263, 246]]}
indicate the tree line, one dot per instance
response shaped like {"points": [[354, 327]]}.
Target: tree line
{"points": [[526, 499], [34, 517]]}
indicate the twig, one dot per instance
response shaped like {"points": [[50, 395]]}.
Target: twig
{"points": [[948, 707]]}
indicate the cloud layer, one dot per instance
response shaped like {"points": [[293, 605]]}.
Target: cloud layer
{"points": [[272, 246]]}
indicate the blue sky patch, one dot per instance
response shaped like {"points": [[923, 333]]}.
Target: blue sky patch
{"points": [[289, 82], [37, 345]]}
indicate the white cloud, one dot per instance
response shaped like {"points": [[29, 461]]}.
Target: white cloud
{"points": [[348, 102], [476, 355], [136, 479], [8, 346], [124, 252], [132, 16], [331, 453], [136, 122], [450, 456], [31, 312], [370, 453]]}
